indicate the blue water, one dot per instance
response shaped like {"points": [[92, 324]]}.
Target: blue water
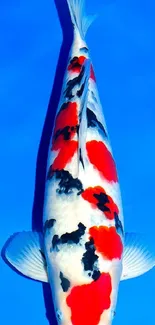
{"points": [[123, 51]]}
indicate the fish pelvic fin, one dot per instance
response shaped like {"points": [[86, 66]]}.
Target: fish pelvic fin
{"points": [[81, 22]]}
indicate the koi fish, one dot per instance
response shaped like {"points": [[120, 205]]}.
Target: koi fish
{"points": [[83, 251]]}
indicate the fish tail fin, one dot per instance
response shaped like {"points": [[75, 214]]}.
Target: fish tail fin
{"points": [[80, 21]]}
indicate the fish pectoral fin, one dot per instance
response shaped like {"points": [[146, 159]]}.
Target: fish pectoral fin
{"points": [[138, 256], [24, 251]]}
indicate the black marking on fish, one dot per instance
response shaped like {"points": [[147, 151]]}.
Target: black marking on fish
{"points": [[55, 240], [64, 106], [84, 49], [74, 63], [49, 224], [96, 274], [80, 158], [102, 200], [69, 238], [66, 132], [59, 316], [93, 121], [114, 313], [94, 97], [80, 91], [118, 224], [73, 82], [65, 283], [90, 259], [67, 182]]}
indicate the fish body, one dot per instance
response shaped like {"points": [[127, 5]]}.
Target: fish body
{"points": [[82, 212], [83, 251]]}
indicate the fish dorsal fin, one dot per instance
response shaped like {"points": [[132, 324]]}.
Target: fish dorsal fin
{"points": [[138, 256], [83, 112], [24, 251]]}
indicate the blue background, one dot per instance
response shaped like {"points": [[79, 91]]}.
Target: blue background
{"points": [[122, 47]]}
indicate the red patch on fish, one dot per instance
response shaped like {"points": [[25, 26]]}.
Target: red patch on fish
{"points": [[89, 301], [67, 148], [66, 153], [102, 159], [107, 241], [99, 199], [76, 64], [67, 117], [92, 74]]}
